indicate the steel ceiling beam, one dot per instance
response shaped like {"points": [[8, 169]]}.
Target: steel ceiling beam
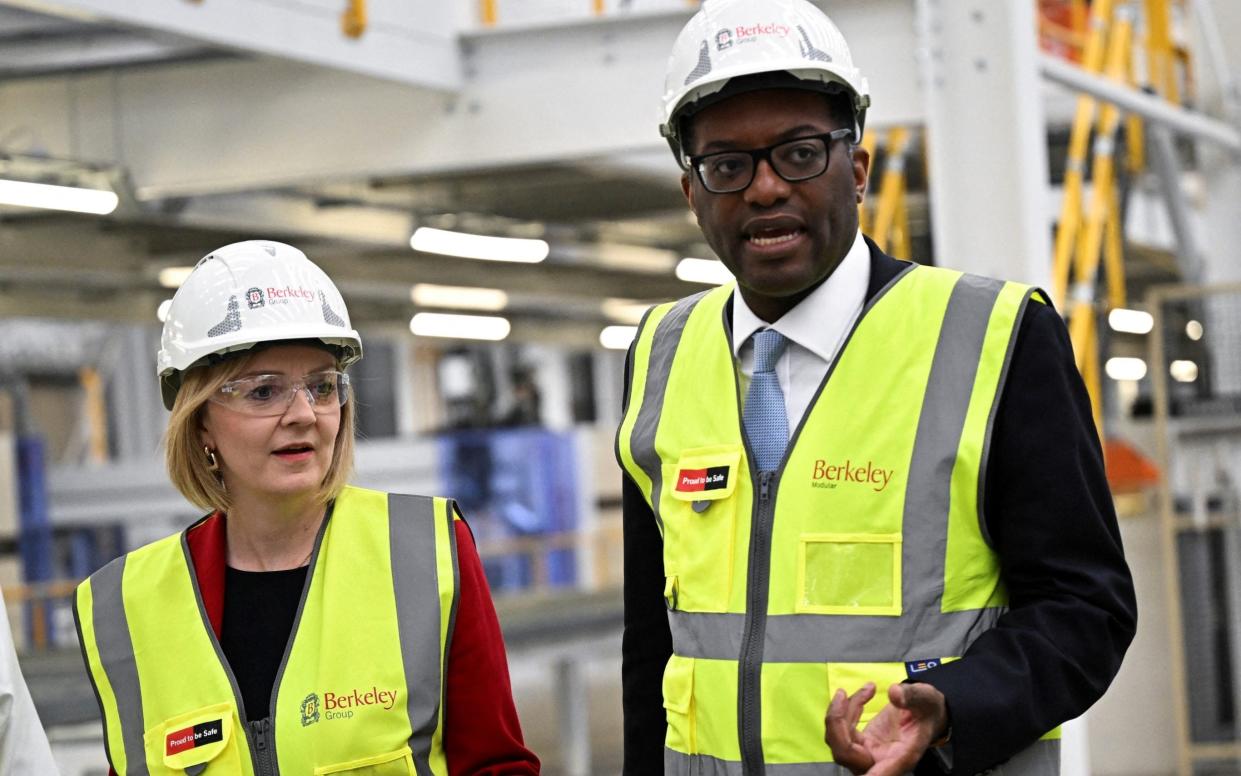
{"points": [[524, 97], [89, 49], [410, 42]]}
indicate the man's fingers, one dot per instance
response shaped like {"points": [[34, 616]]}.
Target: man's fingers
{"points": [[893, 767], [923, 700], [923, 703], [842, 735], [858, 701], [841, 722]]}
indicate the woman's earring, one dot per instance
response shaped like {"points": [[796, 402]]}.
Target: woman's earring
{"points": [[213, 465]]}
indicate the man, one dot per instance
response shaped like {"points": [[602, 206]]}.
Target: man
{"points": [[854, 486]]}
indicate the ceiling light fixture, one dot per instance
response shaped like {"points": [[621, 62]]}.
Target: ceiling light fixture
{"points": [[710, 272], [1130, 321], [617, 337], [477, 327], [173, 277], [1124, 368], [462, 297], [50, 197], [477, 246], [1183, 371], [624, 310]]}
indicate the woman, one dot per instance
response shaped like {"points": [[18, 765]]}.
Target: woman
{"points": [[305, 626]]}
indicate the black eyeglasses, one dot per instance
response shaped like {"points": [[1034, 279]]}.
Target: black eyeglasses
{"points": [[799, 159]]}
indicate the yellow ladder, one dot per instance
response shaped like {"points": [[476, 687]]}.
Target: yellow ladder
{"points": [[887, 222]]}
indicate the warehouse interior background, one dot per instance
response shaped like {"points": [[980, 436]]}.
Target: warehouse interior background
{"points": [[498, 161]]}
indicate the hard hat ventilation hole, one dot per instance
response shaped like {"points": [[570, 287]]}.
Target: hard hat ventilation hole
{"points": [[231, 322], [328, 315], [703, 67], [808, 51]]}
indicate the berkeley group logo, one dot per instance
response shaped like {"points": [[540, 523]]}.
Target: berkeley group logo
{"points": [[829, 475], [254, 298], [310, 710], [341, 705], [290, 294]]}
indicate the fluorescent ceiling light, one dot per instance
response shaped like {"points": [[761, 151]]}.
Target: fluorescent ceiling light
{"points": [[617, 337], [173, 277], [431, 295], [1193, 330], [162, 311], [625, 310], [44, 195], [1121, 368], [1130, 321], [477, 246], [1183, 371], [708, 271], [480, 327]]}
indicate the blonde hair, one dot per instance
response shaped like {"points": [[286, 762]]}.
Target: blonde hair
{"points": [[183, 448]]}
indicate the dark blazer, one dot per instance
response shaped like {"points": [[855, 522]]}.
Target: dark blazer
{"points": [[1050, 517]]}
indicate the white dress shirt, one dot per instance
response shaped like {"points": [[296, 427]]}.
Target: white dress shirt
{"points": [[816, 328]]}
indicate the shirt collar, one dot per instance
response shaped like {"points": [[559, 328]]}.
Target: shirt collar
{"points": [[818, 322]]}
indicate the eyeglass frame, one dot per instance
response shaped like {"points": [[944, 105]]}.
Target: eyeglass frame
{"points": [[764, 154], [342, 390]]}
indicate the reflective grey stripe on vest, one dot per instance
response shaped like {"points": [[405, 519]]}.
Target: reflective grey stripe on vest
{"points": [[1042, 758], [923, 628], [116, 654], [678, 764], [659, 365], [995, 408], [949, 388], [415, 580], [816, 638]]}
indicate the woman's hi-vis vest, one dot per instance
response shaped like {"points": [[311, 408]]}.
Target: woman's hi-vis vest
{"points": [[361, 686], [863, 558]]}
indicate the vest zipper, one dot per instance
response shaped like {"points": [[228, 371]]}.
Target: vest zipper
{"points": [[264, 747], [749, 689]]}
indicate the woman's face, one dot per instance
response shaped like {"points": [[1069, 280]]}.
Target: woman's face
{"points": [[281, 456]]}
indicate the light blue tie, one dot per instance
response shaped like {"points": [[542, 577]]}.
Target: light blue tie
{"points": [[766, 425]]}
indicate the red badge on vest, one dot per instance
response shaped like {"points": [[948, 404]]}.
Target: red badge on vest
{"points": [[197, 735], [695, 480]]}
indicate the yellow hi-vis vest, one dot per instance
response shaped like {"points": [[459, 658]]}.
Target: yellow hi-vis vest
{"points": [[863, 558], [361, 686]]}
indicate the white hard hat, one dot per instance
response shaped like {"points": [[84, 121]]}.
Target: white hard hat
{"points": [[244, 294], [727, 39]]}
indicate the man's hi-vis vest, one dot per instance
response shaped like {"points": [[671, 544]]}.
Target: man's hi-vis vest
{"points": [[361, 686], [863, 558]]}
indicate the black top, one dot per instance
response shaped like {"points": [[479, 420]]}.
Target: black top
{"points": [[1051, 521], [259, 607]]}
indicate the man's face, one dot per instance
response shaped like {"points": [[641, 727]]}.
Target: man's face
{"points": [[780, 239]]}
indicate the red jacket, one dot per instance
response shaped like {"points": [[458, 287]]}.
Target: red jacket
{"points": [[482, 736]]}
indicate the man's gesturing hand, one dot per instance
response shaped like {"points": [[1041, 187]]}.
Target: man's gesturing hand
{"points": [[893, 742]]}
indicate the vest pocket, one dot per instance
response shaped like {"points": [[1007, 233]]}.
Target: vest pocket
{"points": [[679, 704], [851, 676], [190, 742], [849, 574], [698, 507], [398, 763]]}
